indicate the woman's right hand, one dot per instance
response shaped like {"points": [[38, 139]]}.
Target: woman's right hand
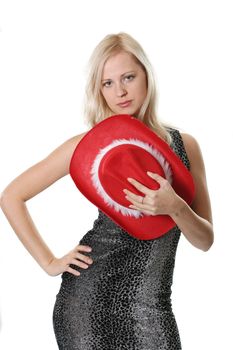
{"points": [[60, 265]]}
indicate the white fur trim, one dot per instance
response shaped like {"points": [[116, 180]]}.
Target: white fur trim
{"points": [[97, 184]]}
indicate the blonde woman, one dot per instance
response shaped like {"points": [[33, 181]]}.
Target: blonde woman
{"points": [[115, 291]]}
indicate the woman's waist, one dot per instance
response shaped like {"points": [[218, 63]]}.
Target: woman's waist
{"points": [[108, 236]]}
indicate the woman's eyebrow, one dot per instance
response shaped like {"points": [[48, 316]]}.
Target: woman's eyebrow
{"points": [[121, 75]]}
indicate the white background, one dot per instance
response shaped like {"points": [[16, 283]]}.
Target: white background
{"points": [[44, 49]]}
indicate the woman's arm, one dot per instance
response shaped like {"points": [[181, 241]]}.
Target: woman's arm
{"points": [[195, 221], [28, 184]]}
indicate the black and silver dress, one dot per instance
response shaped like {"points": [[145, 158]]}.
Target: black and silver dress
{"points": [[122, 300]]}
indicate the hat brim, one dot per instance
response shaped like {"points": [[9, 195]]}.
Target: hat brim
{"points": [[124, 126]]}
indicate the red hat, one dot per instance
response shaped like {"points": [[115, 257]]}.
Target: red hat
{"points": [[119, 147]]}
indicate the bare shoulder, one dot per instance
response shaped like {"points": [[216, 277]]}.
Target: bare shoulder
{"points": [[201, 204], [192, 148], [63, 153], [194, 153], [45, 172]]}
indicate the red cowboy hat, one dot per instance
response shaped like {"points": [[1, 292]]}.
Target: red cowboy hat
{"points": [[119, 147]]}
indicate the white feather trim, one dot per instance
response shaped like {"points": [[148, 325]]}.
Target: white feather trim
{"points": [[97, 184]]}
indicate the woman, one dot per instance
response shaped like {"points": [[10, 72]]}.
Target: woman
{"points": [[121, 300]]}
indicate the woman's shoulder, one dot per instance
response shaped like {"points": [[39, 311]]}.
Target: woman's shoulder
{"points": [[74, 140], [60, 156], [193, 150], [189, 141], [201, 204], [71, 143], [190, 144], [45, 172]]}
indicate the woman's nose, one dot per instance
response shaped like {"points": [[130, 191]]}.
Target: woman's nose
{"points": [[120, 90]]}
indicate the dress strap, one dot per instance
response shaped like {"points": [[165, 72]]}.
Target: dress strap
{"points": [[178, 146]]}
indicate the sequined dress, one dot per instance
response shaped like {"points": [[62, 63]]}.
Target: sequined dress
{"points": [[122, 300]]}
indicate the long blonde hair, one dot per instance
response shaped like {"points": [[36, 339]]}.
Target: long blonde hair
{"points": [[95, 107]]}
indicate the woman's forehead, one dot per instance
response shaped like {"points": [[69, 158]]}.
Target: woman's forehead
{"points": [[119, 63]]}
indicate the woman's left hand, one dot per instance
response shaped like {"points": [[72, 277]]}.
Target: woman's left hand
{"points": [[155, 202]]}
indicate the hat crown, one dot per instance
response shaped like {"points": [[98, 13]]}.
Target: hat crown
{"points": [[125, 158]]}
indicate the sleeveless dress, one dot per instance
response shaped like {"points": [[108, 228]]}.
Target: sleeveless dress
{"points": [[123, 299]]}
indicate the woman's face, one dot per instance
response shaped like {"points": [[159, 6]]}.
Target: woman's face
{"points": [[123, 79]]}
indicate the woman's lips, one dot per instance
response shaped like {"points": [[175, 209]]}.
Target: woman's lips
{"points": [[125, 104]]}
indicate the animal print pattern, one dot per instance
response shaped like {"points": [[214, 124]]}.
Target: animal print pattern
{"points": [[122, 300]]}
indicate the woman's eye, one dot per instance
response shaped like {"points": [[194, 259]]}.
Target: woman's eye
{"points": [[107, 82], [129, 77]]}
